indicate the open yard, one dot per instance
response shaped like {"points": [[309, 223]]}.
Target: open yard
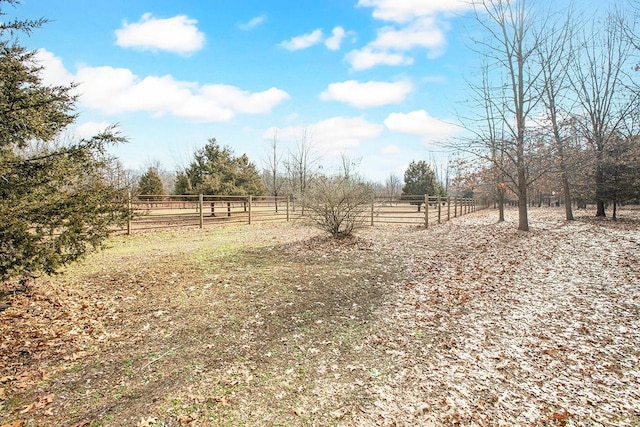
{"points": [[467, 323]]}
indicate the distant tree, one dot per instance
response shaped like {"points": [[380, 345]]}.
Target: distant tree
{"points": [[392, 187], [272, 174], [126, 179], [420, 179], [56, 203], [216, 170], [302, 166], [601, 81], [349, 166], [150, 183], [167, 177], [621, 170]]}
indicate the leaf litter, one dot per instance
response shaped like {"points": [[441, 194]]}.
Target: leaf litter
{"points": [[469, 323]]}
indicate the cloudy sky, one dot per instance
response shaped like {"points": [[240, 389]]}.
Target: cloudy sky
{"points": [[381, 81]]}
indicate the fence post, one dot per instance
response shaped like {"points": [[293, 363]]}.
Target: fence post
{"points": [[373, 203], [129, 213], [426, 211], [448, 208], [200, 209], [288, 197], [250, 200], [439, 209]]}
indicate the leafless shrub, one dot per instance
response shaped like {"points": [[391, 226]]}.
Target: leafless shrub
{"points": [[338, 205]]}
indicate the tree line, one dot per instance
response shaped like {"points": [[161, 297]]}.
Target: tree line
{"points": [[215, 169], [558, 104]]}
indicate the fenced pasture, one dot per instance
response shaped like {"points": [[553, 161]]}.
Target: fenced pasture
{"points": [[154, 212], [166, 211], [473, 324]]}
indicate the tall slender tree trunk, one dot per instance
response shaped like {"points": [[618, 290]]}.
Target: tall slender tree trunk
{"points": [[564, 173], [500, 205], [600, 185], [523, 216], [568, 209]]}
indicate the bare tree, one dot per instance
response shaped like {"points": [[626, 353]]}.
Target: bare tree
{"points": [[495, 140], [301, 165], [392, 187], [510, 51], [272, 174], [555, 54], [348, 166], [603, 86]]}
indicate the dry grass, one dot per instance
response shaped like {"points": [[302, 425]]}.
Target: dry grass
{"points": [[469, 323]]}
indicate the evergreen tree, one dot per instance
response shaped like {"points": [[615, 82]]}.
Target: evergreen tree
{"points": [[150, 183], [419, 179], [621, 170], [55, 203], [215, 170]]}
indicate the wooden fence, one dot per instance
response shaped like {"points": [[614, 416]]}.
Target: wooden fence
{"points": [[165, 211]]}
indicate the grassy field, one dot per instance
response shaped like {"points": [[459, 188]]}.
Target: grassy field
{"points": [[469, 323], [191, 325]]}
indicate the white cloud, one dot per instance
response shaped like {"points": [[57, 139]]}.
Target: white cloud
{"points": [[406, 10], [118, 90], [421, 33], [53, 71], [253, 22], [331, 136], [336, 134], [178, 34], [243, 101], [304, 41], [368, 94], [420, 123], [365, 58], [416, 24], [335, 41], [90, 129], [390, 44]]}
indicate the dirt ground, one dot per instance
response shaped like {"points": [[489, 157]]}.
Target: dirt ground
{"points": [[469, 323]]}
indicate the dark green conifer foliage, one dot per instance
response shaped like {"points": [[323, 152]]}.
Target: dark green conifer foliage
{"points": [[419, 179], [215, 170], [150, 183], [55, 202]]}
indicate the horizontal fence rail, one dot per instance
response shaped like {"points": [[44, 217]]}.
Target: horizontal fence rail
{"points": [[166, 211], [420, 210]]}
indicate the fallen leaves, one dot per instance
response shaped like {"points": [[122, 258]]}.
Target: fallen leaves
{"points": [[39, 404], [532, 323], [147, 422], [468, 323]]}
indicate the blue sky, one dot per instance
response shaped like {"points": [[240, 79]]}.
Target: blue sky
{"points": [[377, 80]]}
